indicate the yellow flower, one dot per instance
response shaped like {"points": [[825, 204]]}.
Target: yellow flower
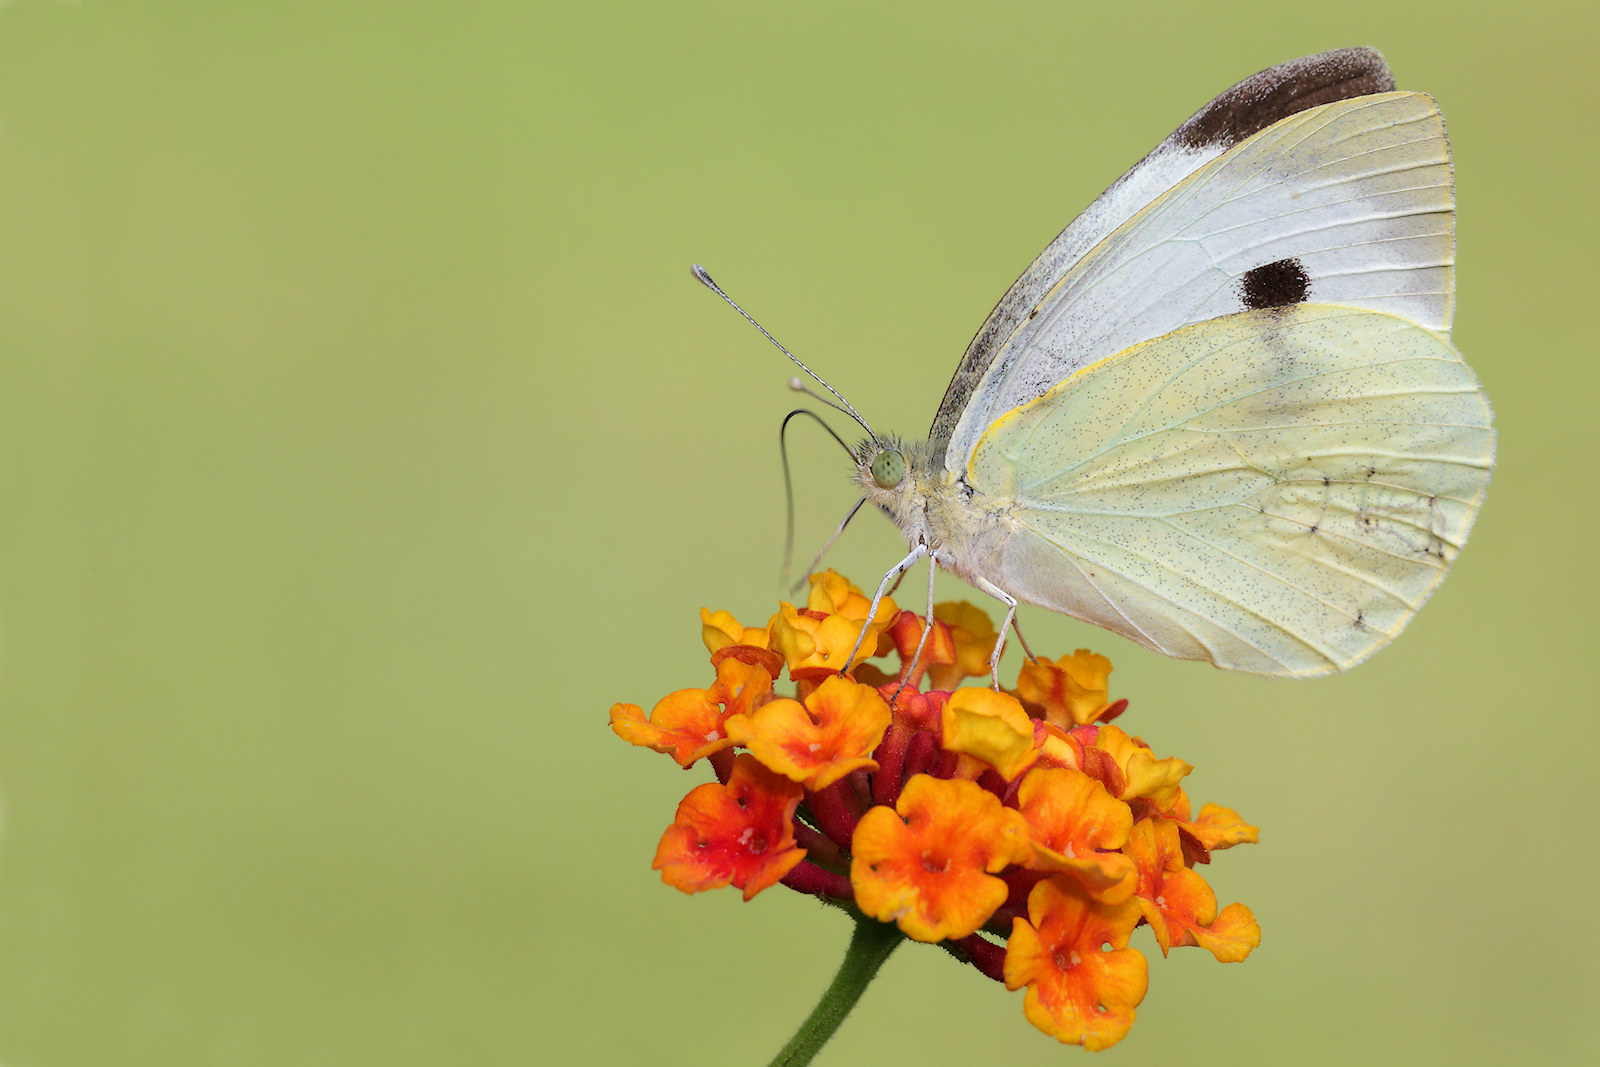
{"points": [[1071, 691], [825, 630], [719, 629], [992, 727]]}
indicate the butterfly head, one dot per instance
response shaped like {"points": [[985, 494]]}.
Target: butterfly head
{"points": [[890, 472]]}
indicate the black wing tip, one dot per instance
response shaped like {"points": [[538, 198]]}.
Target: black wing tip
{"points": [[1283, 90]]}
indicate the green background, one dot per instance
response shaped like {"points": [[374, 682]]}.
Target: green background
{"points": [[365, 437]]}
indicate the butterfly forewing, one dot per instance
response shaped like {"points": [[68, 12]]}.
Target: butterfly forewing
{"points": [[1244, 109], [1276, 490], [1348, 202]]}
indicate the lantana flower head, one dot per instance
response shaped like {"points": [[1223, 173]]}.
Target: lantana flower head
{"points": [[1017, 828]]}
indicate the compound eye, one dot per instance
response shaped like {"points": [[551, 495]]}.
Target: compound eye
{"points": [[888, 469]]}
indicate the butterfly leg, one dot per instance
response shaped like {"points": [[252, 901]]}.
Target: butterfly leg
{"points": [[1010, 602], [922, 642], [895, 588], [872, 612], [1017, 629]]}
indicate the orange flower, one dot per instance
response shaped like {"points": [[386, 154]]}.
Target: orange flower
{"points": [[741, 687], [1178, 904], [739, 834], [1073, 819], [1070, 691], [686, 725], [1077, 992], [820, 741], [923, 864], [989, 726]]}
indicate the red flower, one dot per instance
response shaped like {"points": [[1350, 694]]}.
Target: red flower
{"points": [[739, 834]]}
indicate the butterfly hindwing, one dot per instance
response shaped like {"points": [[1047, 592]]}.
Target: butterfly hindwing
{"points": [[1276, 490]]}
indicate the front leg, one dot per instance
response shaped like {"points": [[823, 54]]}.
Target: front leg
{"points": [[894, 572], [927, 628]]}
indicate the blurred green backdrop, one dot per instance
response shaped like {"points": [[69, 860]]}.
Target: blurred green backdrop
{"points": [[365, 437]]}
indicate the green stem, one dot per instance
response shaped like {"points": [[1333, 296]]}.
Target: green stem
{"points": [[870, 945]]}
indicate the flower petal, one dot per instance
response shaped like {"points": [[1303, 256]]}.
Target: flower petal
{"points": [[1218, 828], [1155, 780], [1231, 936], [972, 632], [938, 651], [834, 594], [1070, 691], [686, 725], [741, 685], [991, 726], [719, 629]]}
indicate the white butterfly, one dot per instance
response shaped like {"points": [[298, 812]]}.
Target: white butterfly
{"points": [[1220, 414]]}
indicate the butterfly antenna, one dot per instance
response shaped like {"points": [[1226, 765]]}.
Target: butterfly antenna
{"points": [[705, 280], [800, 386], [788, 491]]}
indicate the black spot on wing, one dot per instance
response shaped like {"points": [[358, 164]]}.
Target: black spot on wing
{"points": [[1274, 285], [1284, 90]]}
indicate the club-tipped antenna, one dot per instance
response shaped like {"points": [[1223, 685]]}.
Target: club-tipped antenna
{"points": [[705, 280], [799, 386]]}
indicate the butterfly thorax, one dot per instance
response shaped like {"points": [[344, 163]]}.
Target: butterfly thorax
{"points": [[963, 528]]}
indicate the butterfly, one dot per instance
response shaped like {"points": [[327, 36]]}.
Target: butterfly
{"points": [[1220, 414]]}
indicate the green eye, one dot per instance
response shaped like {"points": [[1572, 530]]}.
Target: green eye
{"points": [[888, 469]]}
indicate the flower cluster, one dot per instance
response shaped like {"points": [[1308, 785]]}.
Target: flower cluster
{"points": [[1020, 828]]}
